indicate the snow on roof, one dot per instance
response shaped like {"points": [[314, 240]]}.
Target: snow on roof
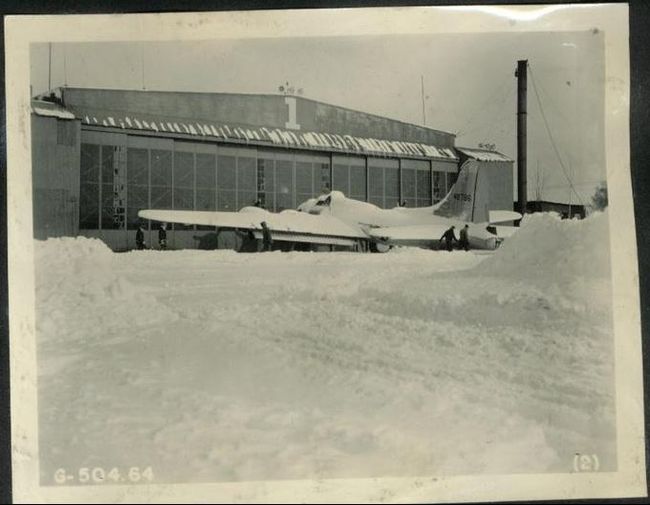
{"points": [[483, 154], [50, 109], [278, 136]]}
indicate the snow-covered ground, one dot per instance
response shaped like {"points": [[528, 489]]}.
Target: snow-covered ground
{"points": [[218, 366]]}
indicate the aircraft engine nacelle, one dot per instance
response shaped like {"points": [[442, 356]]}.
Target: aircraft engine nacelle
{"points": [[483, 238], [489, 243], [379, 247]]}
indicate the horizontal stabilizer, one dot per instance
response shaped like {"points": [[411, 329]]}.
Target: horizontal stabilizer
{"points": [[503, 216]]}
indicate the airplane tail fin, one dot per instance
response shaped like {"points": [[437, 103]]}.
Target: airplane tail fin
{"points": [[460, 202]]}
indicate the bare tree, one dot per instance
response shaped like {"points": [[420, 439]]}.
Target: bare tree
{"points": [[599, 199]]}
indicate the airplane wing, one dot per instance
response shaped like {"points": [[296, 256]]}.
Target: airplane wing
{"points": [[409, 234], [428, 235], [249, 219], [287, 225]]}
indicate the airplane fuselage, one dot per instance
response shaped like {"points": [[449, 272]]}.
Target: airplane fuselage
{"points": [[367, 216], [335, 220]]}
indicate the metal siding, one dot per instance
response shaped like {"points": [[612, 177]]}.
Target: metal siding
{"points": [[103, 138], [330, 118], [445, 166], [497, 175], [55, 177], [242, 109]]}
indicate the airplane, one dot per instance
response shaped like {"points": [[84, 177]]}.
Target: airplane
{"points": [[333, 219]]}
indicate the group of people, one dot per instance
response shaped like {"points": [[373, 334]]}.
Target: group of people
{"points": [[267, 239], [162, 237], [450, 237]]}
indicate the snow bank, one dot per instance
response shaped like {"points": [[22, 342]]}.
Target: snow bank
{"points": [[555, 249], [59, 251], [322, 365], [563, 263], [81, 279]]}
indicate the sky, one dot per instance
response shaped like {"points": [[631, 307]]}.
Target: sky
{"points": [[469, 85]]}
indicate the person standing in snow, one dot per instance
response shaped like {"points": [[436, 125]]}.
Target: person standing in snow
{"points": [[449, 237], [162, 236], [248, 242], [139, 238], [464, 238], [267, 240]]}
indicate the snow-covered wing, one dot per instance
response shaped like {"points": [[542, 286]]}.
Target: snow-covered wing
{"points": [[288, 224], [415, 233], [248, 219]]}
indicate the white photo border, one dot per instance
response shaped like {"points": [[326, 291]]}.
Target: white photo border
{"points": [[20, 31]]}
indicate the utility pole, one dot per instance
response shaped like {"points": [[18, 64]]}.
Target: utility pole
{"points": [[142, 64], [65, 70], [49, 69], [522, 84], [424, 115]]}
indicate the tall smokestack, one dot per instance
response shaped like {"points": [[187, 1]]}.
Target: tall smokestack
{"points": [[522, 84]]}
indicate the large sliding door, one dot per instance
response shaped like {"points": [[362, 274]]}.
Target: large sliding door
{"points": [[444, 175], [383, 182], [416, 183], [285, 180], [349, 176]]}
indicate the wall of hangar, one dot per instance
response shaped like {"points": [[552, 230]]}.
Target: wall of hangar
{"points": [[55, 177], [121, 174]]}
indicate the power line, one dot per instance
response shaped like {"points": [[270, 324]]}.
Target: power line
{"points": [[142, 63], [65, 70], [579, 184], [424, 114], [550, 136], [49, 68], [548, 98]]}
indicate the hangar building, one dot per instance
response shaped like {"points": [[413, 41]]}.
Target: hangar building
{"points": [[99, 156]]}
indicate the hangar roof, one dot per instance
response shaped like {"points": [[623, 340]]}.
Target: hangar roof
{"points": [[483, 154], [248, 119], [271, 136], [51, 109], [244, 109]]}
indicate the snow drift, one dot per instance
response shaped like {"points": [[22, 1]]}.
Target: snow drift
{"points": [[213, 365], [568, 248]]}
